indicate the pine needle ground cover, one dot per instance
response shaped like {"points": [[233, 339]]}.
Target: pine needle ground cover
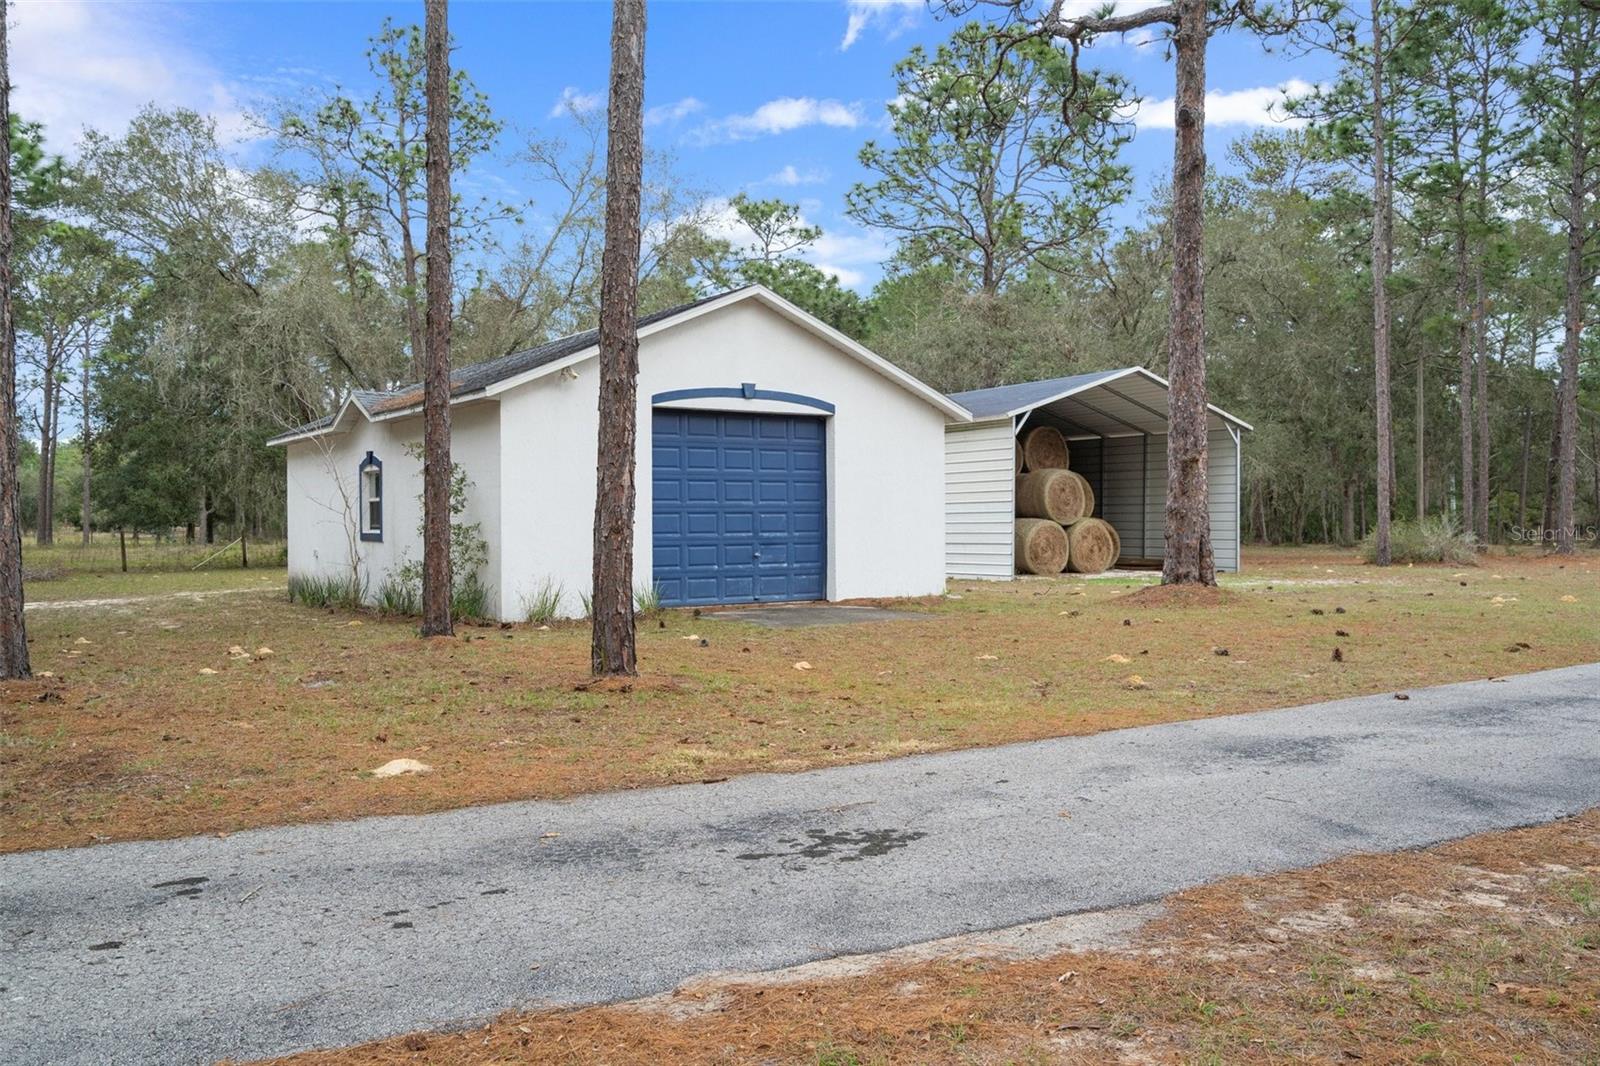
{"points": [[178, 714]]}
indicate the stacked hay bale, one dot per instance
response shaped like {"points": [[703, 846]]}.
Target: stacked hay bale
{"points": [[1054, 505]]}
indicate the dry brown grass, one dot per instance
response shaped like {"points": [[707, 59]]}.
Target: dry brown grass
{"points": [[131, 739], [1481, 951]]}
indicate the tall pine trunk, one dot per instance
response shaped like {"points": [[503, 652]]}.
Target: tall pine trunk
{"points": [[1567, 395], [1381, 254], [612, 646], [1422, 434], [1464, 363], [437, 581], [1188, 557], [1480, 344], [49, 429], [86, 513], [416, 330], [13, 634]]}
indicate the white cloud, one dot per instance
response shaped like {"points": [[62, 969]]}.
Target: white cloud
{"points": [[893, 16], [850, 255], [780, 116], [574, 101], [790, 176], [850, 279], [673, 112], [1141, 41], [83, 64], [1261, 106]]}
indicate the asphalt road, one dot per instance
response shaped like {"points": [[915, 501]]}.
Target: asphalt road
{"points": [[276, 940]]}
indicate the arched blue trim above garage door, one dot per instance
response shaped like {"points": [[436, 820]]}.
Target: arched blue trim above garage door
{"points": [[746, 391], [738, 507]]}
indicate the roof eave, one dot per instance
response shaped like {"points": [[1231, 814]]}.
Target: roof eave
{"points": [[1106, 380], [861, 353], [311, 433]]}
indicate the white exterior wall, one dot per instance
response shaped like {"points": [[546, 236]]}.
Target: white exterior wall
{"points": [[979, 488], [884, 463], [323, 501], [1222, 488]]}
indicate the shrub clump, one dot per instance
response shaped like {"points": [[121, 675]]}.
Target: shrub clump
{"points": [[1430, 540], [343, 591], [543, 605]]}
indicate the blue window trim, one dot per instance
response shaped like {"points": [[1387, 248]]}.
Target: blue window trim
{"points": [[745, 391], [361, 496]]}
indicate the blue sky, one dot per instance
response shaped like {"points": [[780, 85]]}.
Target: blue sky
{"points": [[772, 98]]}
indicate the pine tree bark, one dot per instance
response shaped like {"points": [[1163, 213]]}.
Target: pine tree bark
{"points": [[86, 513], [13, 633], [1567, 393], [1422, 433], [437, 581], [1381, 256], [416, 328], [1464, 364], [612, 648], [1188, 557], [1480, 344], [45, 523]]}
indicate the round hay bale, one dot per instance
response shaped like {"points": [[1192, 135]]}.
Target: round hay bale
{"points": [[1022, 461], [1092, 546], [1053, 494], [1044, 448], [1041, 546], [1088, 493]]}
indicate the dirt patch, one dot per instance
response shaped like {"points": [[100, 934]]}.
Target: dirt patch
{"points": [[644, 682], [1179, 596], [1311, 965]]}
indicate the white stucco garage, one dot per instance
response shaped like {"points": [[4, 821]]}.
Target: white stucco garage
{"points": [[777, 460]]}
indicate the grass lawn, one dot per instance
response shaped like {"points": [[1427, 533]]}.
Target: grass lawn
{"points": [[150, 728], [147, 553], [1481, 951], [140, 584]]}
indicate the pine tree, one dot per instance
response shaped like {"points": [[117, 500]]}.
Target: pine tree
{"points": [[611, 607], [436, 576]]}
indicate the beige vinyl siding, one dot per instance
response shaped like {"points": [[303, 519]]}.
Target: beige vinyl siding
{"points": [[979, 482]]}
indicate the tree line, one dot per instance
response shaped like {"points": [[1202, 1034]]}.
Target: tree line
{"points": [[1392, 287]]}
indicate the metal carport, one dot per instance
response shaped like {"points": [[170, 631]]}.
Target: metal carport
{"points": [[1115, 422]]}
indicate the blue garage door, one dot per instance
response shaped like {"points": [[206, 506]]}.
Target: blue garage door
{"points": [[738, 511]]}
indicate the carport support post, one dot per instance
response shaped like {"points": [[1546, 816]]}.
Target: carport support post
{"points": [[1100, 487], [1144, 502]]}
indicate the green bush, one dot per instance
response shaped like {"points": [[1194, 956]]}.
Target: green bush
{"points": [[543, 605], [647, 599], [469, 599], [397, 596], [1431, 540], [342, 591]]}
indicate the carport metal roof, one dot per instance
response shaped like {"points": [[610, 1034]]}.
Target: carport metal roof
{"points": [[1105, 403]]}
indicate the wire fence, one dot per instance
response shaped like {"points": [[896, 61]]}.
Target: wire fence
{"points": [[146, 553]]}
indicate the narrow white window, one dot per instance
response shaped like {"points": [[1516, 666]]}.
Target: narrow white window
{"points": [[371, 488]]}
